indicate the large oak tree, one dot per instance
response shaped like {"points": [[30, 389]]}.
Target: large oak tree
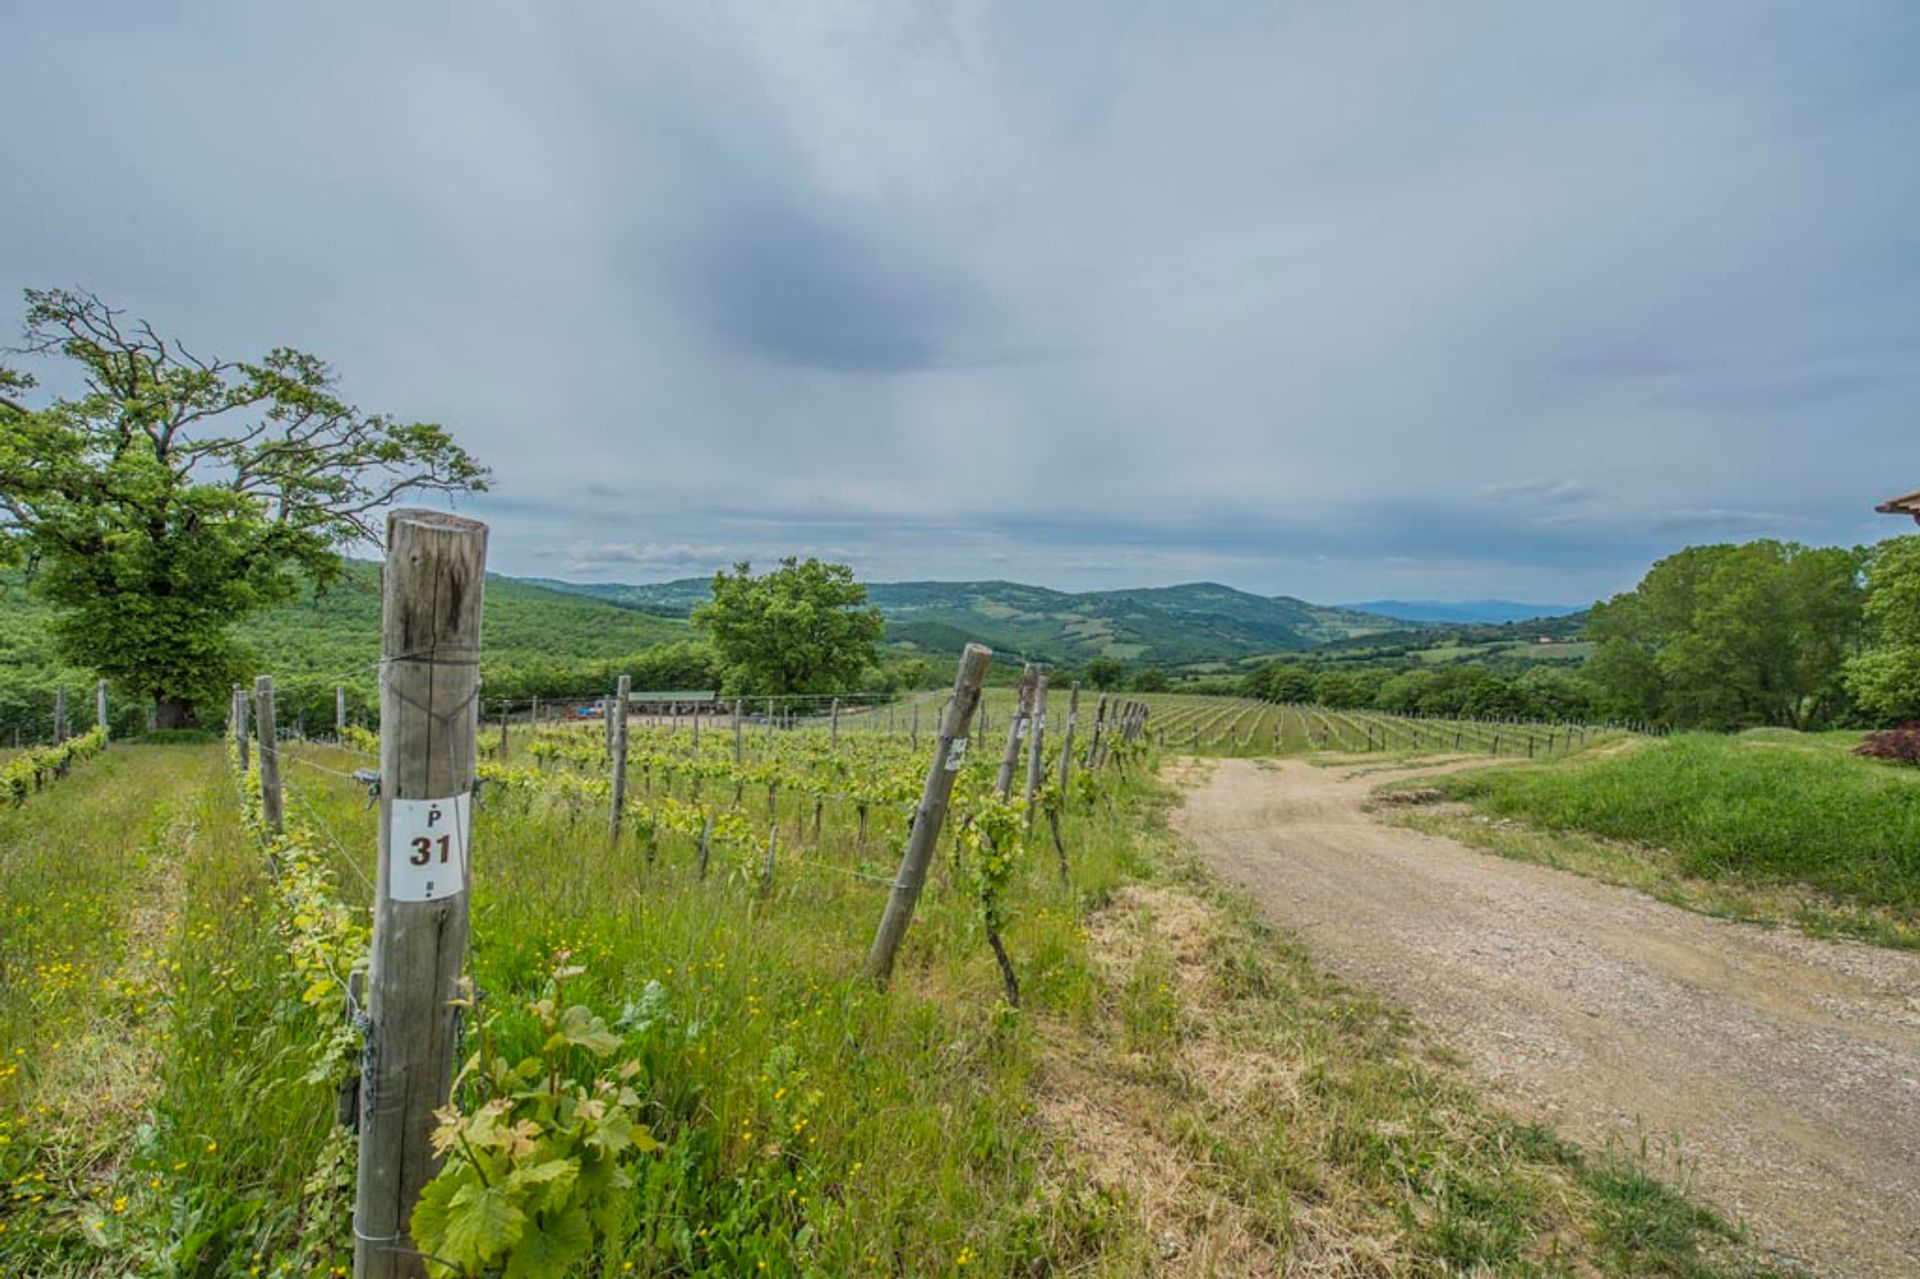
{"points": [[172, 494]]}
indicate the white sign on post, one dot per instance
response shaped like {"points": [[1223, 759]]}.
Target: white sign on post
{"points": [[956, 754], [427, 848]]}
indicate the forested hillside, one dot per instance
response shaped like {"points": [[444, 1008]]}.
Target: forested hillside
{"points": [[1167, 626]]}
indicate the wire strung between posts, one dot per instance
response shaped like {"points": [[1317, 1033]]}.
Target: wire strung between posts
{"points": [[332, 839], [318, 768]]}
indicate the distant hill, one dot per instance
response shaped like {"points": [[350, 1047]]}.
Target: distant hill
{"points": [[1498, 645], [1170, 626], [1466, 612]]}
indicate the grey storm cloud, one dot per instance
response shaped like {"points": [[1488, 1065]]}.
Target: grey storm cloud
{"points": [[1337, 301], [794, 289]]}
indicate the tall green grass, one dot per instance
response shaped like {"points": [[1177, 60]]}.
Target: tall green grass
{"points": [[1764, 809]]}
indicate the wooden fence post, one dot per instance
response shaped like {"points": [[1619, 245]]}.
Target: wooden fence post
{"points": [[1066, 741], [59, 714], [1099, 728], [737, 745], [265, 728], [617, 717], [949, 748], [240, 730], [833, 730], [100, 704], [1016, 725], [339, 712], [432, 591], [914, 739], [1036, 744]]}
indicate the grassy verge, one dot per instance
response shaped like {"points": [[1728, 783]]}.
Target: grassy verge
{"points": [[1772, 826]]}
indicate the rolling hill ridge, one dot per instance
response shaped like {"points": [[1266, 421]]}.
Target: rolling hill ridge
{"points": [[1169, 625]]}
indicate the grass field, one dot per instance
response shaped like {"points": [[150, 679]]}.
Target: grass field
{"points": [[1181, 1088], [1768, 824]]}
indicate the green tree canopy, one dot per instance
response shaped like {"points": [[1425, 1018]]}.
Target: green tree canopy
{"points": [[1725, 636], [1150, 680], [1885, 676], [1105, 673], [1281, 681], [173, 495], [805, 627]]}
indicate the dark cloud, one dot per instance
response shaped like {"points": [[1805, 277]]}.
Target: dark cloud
{"points": [[794, 289]]}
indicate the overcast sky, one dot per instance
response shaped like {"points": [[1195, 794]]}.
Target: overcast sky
{"points": [[1333, 300]]}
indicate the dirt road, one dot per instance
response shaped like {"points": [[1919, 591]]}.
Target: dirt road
{"points": [[1787, 1069]]}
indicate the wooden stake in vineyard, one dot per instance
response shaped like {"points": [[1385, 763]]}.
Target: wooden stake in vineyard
{"points": [[100, 704], [267, 730], [239, 721], [1016, 726], [433, 586], [949, 748], [1036, 744], [617, 718], [339, 713], [1099, 732], [1066, 740], [59, 714]]}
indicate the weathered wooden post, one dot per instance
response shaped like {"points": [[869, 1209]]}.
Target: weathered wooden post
{"points": [[240, 729], [773, 846], [1016, 725], [506, 709], [738, 747], [1066, 741], [949, 749], [617, 717], [1099, 732], [433, 586], [264, 727], [1036, 744], [59, 714], [914, 740], [100, 704], [339, 712], [833, 728]]}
